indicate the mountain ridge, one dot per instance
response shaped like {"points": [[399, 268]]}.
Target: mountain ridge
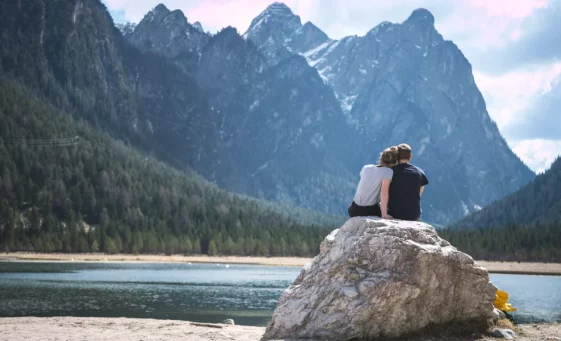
{"points": [[260, 119], [536, 203], [417, 88], [421, 41]]}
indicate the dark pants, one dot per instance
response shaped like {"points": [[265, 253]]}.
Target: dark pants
{"points": [[364, 211]]}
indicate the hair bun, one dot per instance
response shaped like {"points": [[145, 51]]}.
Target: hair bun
{"points": [[389, 156]]}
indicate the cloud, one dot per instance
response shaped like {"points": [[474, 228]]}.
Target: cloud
{"points": [[119, 16], [542, 119], [538, 154], [524, 104], [512, 95], [507, 8], [535, 41]]}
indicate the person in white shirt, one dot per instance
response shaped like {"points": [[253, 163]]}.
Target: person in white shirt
{"points": [[372, 194]]}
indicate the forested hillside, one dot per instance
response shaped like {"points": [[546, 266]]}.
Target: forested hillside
{"points": [[538, 202], [523, 226], [68, 188], [531, 243]]}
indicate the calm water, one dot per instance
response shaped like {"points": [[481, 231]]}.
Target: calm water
{"points": [[203, 293]]}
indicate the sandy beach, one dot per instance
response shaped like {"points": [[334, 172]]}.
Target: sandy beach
{"points": [[493, 267], [97, 257], [125, 329]]}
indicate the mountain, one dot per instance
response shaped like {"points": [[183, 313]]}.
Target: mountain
{"points": [[259, 105], [539, 202], [272, 29], [169, 31], [286, 114], [67, 187], [73, 55], [405, 83], [398, 83]]}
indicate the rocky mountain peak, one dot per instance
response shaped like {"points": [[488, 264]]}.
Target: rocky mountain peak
{"points": [[161, 8], [176, 19], [157, 14], [307, 38], [228, 38], [277, 14], [168, 33], [278, 8], [421, 16], [309, 26], [271, 29], [198, 26], [227, 31]]}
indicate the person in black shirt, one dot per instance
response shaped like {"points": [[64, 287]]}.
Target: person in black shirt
{"points": [[406, 188]]}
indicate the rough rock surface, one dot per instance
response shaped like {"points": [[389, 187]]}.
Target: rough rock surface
{"points": [[498, 315], [379, 278], [169, 34]]}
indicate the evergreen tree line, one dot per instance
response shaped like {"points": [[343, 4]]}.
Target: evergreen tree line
{"points": [[530, 243], [96, 194], [71, 56], [537, 203]]}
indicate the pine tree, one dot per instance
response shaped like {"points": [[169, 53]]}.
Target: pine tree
{"points": [[212, 249]]}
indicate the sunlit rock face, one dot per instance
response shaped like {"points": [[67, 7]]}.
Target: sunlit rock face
{"points": [[378, 279]]}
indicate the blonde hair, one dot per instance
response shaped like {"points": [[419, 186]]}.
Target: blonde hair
{"points": [[404, 151], [389, 156]]}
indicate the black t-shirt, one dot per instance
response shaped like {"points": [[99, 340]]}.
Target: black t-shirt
{"points": [[405, 199]]}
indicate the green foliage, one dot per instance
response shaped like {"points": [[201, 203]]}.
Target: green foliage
{"points": [[212, 248], [102, 195], [538, 202], [531, 243], [70, 54], [524, 226]]}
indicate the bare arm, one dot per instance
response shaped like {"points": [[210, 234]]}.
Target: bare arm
{"points": [[385, 196], [421, 191]]}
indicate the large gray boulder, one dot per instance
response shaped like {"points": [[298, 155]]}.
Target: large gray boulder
{"points": [[379, 278]]}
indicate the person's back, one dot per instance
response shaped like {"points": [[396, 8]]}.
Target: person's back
{"points": [[372, 193], [406, 188], [370, 185]]}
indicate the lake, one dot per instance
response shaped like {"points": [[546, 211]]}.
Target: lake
{"points": [[197, 292]]}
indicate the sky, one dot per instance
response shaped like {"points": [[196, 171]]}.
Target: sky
{"points": [[513, 45]]}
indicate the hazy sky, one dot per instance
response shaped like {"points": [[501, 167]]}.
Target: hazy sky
{"points": [[514, 47]]}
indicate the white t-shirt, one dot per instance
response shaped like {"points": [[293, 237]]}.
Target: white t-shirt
{"points": [[369, 188]]}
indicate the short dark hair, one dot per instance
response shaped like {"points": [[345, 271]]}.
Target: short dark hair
{"points": [[404, 151]]}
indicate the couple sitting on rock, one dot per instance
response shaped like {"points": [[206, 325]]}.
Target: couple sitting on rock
{"points": [[392, 189]]}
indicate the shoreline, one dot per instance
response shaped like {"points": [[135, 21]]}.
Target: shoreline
{"points": [[132, 329], [492, 267], [127, 258]]}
